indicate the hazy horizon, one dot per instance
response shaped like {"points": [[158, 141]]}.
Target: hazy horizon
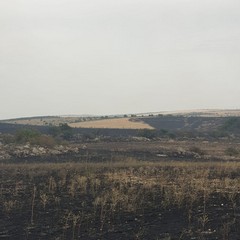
{"points": [[180, 111], [60, 57]]}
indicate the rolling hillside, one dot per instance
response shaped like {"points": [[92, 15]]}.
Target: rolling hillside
{"points": [[188, 121]]}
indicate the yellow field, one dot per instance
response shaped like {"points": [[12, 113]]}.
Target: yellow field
{"points": [[120, 123]]}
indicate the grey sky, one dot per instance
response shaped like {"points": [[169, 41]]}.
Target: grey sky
{"points": [[108, 57]]}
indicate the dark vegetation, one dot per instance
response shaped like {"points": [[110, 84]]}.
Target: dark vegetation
{"points": [[231, 125]]}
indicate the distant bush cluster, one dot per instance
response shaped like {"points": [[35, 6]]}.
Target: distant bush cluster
{"points": [[34, 137], [55, 135]]}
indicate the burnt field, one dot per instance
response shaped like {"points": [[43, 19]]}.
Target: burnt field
{"points": [[184, 123], [194, 150], [164, 189], [120, 183], [127, 200]]}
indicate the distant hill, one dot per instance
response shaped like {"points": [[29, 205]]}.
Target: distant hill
{"points": [[55, 120], [197, 120], [197, 113], [46, 120]]}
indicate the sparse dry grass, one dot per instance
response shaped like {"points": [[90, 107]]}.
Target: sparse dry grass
{"points": [[89, 199]]}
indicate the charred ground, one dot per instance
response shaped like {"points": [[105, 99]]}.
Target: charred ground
{"points": [[179, 181]]}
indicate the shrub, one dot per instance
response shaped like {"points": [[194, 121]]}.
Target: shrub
{"points": [[26, 135], [231, 151], [34, 137]]}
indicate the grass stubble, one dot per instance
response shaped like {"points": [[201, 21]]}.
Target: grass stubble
{"points": [[127, 199]]}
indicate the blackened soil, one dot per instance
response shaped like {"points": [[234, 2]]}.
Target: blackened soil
{"points": [[68, 215]]}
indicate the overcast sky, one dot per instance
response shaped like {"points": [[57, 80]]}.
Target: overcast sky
{"points": [[128, 56]]}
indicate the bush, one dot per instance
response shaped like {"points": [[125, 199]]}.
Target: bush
{"points": [[66, 131], [26, 135], [34, 137], [231, 151]]}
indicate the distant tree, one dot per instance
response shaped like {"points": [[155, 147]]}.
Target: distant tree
{"points": [[66, 131], [62, 131]]}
